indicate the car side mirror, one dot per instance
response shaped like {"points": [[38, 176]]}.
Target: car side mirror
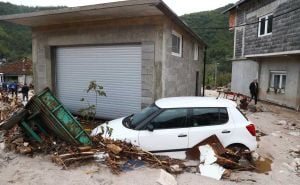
{"points": [[150, 127]]}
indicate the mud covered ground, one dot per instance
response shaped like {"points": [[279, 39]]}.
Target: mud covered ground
{"points": [[277, 156]]}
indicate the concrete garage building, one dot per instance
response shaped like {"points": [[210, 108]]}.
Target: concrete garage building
{"points": [[138, 50]]}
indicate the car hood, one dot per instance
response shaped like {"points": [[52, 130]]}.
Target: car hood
{"points": [[118, 131]]}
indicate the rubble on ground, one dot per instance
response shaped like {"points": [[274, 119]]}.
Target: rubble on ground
{"points": [[45, 126], [8, 106]]}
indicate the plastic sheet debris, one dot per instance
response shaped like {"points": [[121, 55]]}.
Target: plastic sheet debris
{"points": [[100, 156], [208, 167], [207, 155], [214, 171]]}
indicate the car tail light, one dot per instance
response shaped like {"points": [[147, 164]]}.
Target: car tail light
{"points": [[251, 129]]}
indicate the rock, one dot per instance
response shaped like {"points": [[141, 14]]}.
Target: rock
{"points": [[262, 159], [26, 144], [2, 132], [24, 149], [289, 167], [281, 122], [192, 169], [175, 169], [19, 140], [276, 134], [166, 179], [226, 174], [294, 133], [254, 156], [2, 146]]}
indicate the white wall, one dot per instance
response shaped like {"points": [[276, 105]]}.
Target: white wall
{"points": [[243, 73]]}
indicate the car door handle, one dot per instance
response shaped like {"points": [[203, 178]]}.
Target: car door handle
{"points": [[226, 131], [182, 135]]}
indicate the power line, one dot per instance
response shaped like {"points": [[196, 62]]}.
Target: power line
{"points": [[246, 24]]}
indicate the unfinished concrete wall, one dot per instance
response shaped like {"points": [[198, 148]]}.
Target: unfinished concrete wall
{"points": [[291, 65], [243, 73], [146, 31], [179, 73]]}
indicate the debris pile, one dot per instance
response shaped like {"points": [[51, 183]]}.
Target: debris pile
{"points": [[45, 126], [115, 154], [294, 166], [8, 106], [216, 161]]}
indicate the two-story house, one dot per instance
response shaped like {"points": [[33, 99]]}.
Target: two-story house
{"points": [[267, 48]]}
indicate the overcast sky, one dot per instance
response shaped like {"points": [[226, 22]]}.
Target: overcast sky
{"points": [[179, 6]]}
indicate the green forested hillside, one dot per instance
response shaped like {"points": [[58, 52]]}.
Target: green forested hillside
{"points": [[15, 40], [209, 26]]}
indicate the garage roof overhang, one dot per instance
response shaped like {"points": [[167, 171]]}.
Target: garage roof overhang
{"points": [[107, 11]]}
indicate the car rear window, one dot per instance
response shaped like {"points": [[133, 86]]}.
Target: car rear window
{"points": [[208, 116]]}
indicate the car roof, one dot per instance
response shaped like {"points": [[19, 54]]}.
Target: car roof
{"points": [[187, 102]]}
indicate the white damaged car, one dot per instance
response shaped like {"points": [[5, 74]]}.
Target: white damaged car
{"points": [[179, 123]]}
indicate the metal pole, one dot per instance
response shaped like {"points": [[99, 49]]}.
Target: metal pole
{"points": [[204, 70], [215, 74]]}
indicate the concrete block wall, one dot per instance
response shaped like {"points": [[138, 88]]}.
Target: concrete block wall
{"points": [[145, 31], [179, 73], [163, 75]]}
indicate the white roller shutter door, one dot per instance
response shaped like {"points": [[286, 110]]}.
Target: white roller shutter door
{"points": [[117, 68]]}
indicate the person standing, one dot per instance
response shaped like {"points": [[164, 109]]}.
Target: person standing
{"points": [[25, 90], [13, 88], [254, 90]]}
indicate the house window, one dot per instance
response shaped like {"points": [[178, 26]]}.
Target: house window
{"points": [[196, 51], [278, 80], [176, 44], [265, 25]]}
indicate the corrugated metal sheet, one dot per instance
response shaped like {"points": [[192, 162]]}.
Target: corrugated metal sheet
{"points": [[117, 68]]}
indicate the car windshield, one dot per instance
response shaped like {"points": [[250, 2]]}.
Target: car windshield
{"points": [[135, 119]]}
